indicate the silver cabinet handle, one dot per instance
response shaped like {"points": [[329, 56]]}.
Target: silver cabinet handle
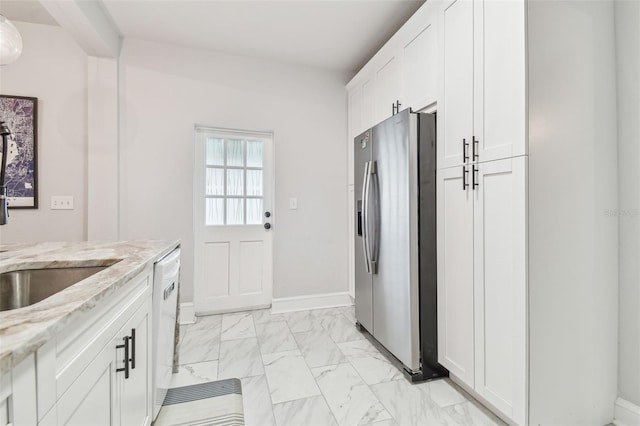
{"points": [[465, 150], [476, 149], [365, 222], [474, 177], [465, 185]]}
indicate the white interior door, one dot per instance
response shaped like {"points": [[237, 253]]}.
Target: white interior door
{"points": [[233, 193]]}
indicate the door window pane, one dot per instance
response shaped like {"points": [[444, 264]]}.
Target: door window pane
{"points": [[254, 153], [215, 211], [235, 215], [215, 181], [235, 184], [235, 154], [234, 181], [254, 211], [215, 152], [254, 182]]}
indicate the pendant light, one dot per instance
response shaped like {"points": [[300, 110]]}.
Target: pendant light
{"points": [[10, 42]]}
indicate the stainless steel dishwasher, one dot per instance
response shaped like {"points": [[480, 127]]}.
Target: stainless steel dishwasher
{"points": [[166, 275]]}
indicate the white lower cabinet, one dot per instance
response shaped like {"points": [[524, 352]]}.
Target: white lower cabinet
{"points": [[455, 272], [108, 380], [91, 398], [482, 280], [110, 391], [18, 394], [135, 392], [95, 371]]}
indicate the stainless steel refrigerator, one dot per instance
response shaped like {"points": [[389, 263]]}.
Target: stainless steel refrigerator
{"points": [[395, 240]]}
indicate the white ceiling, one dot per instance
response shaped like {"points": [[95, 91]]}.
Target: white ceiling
{"points": [[333, 34], [26, 11]]}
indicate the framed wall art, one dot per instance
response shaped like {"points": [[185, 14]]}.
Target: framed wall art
{"points": [[20, 114]]}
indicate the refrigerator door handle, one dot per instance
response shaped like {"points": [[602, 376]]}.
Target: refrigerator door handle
{"points": [[365, 217], [375, 250]]}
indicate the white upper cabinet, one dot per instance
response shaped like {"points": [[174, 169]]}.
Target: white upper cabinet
{"points": [[499, 79], [420, 64], [387, 88], [484, 85], [457, 98], [405, 73]]}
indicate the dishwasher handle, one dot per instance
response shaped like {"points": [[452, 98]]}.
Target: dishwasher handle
{"points": [[168, 290]]}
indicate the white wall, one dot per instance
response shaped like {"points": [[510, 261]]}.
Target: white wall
{"points": [[54, 69], [165, 90], [102, 149], [627, 19]]}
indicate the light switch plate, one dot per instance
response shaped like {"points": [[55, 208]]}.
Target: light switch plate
{"points": [[62, 202], [293, 203]]}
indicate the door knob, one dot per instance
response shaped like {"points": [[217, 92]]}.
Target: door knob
{"points": [[267, 214], [267, 225]]}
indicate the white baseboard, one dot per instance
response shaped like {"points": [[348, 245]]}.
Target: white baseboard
{"points": [[316, 301], [626, 413], [187, 313]]}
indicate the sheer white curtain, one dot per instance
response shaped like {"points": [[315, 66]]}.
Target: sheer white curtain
{"points": [[235, 182], [215, 211], [254, 153], [254, 182], [254, 211], [215, 181], [235, 152], [235, 214], [215, 152], [227, 175]]}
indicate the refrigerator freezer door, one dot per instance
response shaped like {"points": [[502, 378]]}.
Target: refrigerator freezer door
{"points": [[395, 192], [363, 296]]}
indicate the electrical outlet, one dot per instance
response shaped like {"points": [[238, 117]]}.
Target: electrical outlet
{"points": [[62, 202]]}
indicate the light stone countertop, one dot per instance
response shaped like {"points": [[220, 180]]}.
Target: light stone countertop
{"points": [[24, 330]]}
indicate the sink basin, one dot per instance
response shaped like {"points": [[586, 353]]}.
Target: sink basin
{"points": [[24, 288]]}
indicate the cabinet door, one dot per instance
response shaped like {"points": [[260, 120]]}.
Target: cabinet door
{"points": [[499, 123], [457, 108], [135, 400], [420, 66], [387, 89], [500, 284], [455, 273], [90, 400]]}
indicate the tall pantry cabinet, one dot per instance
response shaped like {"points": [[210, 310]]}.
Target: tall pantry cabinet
{"points": [[481, 196], [527, 256]]}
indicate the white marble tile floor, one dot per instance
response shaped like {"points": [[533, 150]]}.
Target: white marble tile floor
{"points": [[313, 368]]}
